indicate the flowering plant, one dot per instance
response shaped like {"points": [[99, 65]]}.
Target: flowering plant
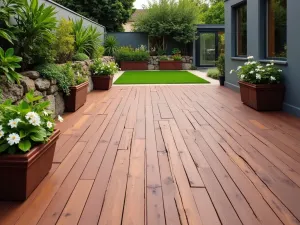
{"points": [[100, 68], [25, 125], [255, 73]]}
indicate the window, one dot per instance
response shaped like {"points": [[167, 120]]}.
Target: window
{"points": [[276, 29], [241, 30]]}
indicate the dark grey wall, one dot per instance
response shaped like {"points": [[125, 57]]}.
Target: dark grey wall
{"points": [[255, 46], [133, 39]]}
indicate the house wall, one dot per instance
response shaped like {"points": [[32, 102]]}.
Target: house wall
{"points": [[256, 47]]}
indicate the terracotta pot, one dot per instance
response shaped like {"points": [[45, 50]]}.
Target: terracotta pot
{"points": [[77, 97], [262, 97], [134, 65], [21, 174], [170, 65], [102, 82]]}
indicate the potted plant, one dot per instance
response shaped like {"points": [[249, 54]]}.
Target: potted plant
{"points": [[173, 63], [27, 144], [261, 86], [78, 81], [103, 74], [133, 59], [221, 68]]}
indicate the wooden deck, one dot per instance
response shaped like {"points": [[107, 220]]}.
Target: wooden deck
{"points": [[168, 155]]}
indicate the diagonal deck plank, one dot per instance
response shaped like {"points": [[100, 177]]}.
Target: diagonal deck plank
{"points": [[168, 155]]}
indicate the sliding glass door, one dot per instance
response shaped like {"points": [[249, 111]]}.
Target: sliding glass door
{"points": [[207, 49]]}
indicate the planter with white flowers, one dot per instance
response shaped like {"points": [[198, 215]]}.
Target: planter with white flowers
{"points": [[261, 86], [27, 144]]}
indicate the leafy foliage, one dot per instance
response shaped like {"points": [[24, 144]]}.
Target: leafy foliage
{"points": [[131, 54], [100, 68], [221, 64], [86, 38], [64, 44], [99, 52], [213, 73], [111, 14], [172, 18], [25, 125], [74, 77], [53, 71], [8, 64], [35, 24], [7, 9], [80, 57], [110, 45], [163, 58], [255, 73], [177, 57]]}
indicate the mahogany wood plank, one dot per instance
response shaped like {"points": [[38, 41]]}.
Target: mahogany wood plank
{"points": [[125, 141], [73, 209], [93, 128], [165, 111]]}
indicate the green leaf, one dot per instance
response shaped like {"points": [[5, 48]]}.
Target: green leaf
{"points": [[37, 137], [4, 147], [25, 145], [23, 134]]}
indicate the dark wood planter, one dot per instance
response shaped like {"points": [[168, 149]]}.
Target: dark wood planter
{"points": [[170, 65], [102, 82], [77, 97], [21, 174], [262, 97], [134, 65], [222, 80]]}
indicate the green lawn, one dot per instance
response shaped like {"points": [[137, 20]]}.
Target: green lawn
{"points": [[159, 77]]}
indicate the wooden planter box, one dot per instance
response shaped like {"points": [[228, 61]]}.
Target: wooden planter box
{"points": [[77, 97], [170, 65], [134, 65], [21, 174], [262, 97], [102, 82]]}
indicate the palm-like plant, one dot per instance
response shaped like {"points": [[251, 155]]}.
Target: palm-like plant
{"points": [[35, 24], [87, 39], [7, 9], [111, 45], [8, 64]]}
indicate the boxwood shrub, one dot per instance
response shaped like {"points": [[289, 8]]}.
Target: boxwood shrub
{"points": [[131, 54]]}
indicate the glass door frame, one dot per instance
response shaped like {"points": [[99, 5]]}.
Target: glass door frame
{"points": [[198, 55]]}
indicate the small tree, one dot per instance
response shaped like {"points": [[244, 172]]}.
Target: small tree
{"points": [[172, 18]]}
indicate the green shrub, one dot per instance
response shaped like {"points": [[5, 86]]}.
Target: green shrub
{"points": [[177, 57], [8, 64], [213, 73], [130, 54], [86, 38], [99, 52], [221, 64], [80, 57], [164, 58], [53, 71], [161, 52], [25, 125], [110, 45], [64, 44], [176, 51], [100, 68], [193, 67], [35, 25]]}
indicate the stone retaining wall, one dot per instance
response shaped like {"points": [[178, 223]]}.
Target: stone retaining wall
{"points": [[153, 64], [43, 87]]}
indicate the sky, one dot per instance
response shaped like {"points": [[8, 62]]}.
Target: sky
{"points": [[138, 4]]}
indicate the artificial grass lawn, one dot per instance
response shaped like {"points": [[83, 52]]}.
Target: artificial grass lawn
{"points": [[159, 77]]}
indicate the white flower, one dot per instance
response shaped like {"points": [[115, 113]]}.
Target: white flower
{"points": [[1, 134], [250, 57], [268, 64], [31, 115], [60, 119], [280, 71], [49, 124], [35, 121], [272, 78], [14, 123], [231, 71], [13, 139], [242, 76], [258, 76], [259, 67], [253, 62], [272, 64], [252, 72], [246, 63], [239, 68], [45, 113]]}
